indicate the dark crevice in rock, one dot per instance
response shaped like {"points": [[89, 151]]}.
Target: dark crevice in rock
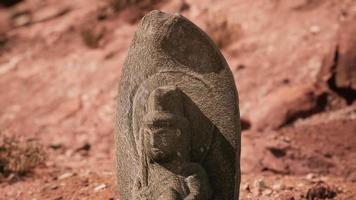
{"points": [[277, 152], [3, 40], [275, 171], [346, 93], [245, 124], [9, 3], [320, 105]]}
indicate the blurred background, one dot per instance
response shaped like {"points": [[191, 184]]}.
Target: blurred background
{"points": [[294, 63]]}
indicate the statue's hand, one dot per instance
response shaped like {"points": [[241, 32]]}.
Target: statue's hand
{"points": [[191, 197], [198, 183], [193, 184]]}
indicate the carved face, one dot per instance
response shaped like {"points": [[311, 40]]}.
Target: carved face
{"points": [[163, 144]]}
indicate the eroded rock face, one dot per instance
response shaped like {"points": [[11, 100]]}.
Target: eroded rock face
{"points": [[178, 126], [285, 105], [346, 66]]}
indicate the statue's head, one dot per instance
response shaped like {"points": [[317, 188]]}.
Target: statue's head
{"points": [[165, 128]]}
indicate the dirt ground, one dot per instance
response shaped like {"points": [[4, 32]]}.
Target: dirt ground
{"points": [[293, 62]]}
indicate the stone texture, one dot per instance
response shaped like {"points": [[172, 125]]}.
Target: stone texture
{"points": [[178, 127], [346, 63], [285, 105]]}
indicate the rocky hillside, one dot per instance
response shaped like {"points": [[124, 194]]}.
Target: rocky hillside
{"points": [[293, 62]]}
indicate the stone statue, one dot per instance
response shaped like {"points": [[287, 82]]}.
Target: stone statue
{"points": [[178, 128]]}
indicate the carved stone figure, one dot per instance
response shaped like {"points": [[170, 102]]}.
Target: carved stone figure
{"points": [[165, 135], [178, 128]]}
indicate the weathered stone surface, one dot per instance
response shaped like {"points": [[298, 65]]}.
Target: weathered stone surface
{"points": [[285, 105], [346, 65], [178, 129]]}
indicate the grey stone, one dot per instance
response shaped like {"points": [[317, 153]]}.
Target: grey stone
{"points": [[178, 125]]}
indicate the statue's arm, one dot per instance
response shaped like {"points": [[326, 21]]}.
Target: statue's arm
{"points": [[194, 186]]}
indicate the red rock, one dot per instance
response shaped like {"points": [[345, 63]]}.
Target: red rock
{"points": [[283, 106], [346, 63]]}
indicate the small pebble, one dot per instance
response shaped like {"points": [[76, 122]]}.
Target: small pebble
{"points": [[278, 186], [258, 186], [54, 187], [310, 176], [314, 29], [100, 187], [267, 192], [300, 185], [66, 175]]}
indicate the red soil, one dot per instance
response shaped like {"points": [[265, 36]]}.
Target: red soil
{"points": [[60, 62]]}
